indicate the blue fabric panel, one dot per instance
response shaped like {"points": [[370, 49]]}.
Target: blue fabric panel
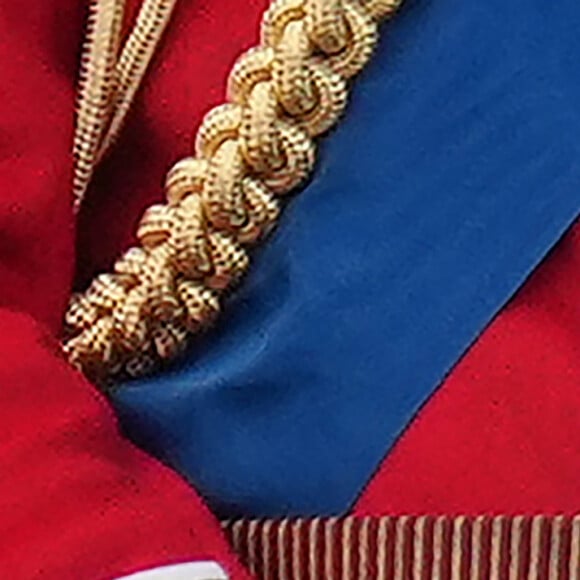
{"points": [[454, 172]]}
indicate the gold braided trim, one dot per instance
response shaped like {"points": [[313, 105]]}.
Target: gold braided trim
{"points": [[410, 548], [251, 150]]}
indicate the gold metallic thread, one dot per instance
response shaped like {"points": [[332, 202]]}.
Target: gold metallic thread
{"points": [[256, 147]]}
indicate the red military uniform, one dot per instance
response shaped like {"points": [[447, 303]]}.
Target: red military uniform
{"points": [[77, 499]]}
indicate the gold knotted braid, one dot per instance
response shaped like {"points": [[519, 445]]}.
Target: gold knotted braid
{"points": [[248, 152]]}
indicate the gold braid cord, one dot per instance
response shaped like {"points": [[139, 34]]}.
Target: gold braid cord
{"points": [[110, 76], [248, 152]]}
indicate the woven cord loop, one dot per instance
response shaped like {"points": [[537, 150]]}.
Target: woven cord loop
{"points": [[248, 152]]}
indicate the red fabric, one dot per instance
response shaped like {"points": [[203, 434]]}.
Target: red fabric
{"points": [[38, 57], [502, 434], [76, 499]]}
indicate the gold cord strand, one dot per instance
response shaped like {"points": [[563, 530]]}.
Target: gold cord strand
{"points": [[249, 151], [110, 77], [96, 88], [134, 61]]}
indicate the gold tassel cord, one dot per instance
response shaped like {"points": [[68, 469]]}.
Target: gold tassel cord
{"points": [[258, 146], [110, 77], [134, 60], [96, 89]]}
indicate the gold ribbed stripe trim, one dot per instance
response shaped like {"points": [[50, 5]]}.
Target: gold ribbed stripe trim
{"points": [[410, 548]]}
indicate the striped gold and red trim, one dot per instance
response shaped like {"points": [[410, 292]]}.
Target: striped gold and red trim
{"points": [[410, 548]]}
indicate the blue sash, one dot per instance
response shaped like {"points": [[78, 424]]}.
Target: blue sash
{"points": [[455, 171]]}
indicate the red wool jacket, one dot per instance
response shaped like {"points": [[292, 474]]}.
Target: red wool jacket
{"points": [[79, 501]]}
